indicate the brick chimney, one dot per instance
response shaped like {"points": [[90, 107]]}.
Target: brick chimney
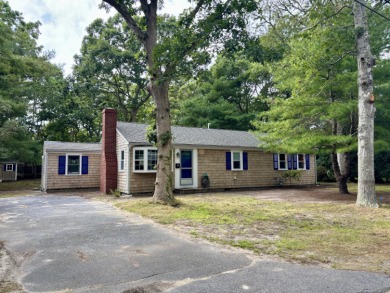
{"points": [[108, 163]]}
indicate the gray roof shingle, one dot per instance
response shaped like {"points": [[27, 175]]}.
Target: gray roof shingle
{"points": [[135, 133], [71, 146]]}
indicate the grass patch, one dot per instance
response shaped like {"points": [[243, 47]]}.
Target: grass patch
{"points": [[20, 185], [341, 235], [353, 187], [18, 188]]}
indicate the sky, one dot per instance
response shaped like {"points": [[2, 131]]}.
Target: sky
{"points": [[64, 23]]}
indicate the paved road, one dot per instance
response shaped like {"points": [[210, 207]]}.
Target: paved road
{"points": [[69, 244]]}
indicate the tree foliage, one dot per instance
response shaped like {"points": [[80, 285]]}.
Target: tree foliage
{"points": [[227, 96], [24, 75], [112, 68], [199, 31], [315, 73]]}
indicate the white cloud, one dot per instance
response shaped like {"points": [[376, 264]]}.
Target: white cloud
{"points": [[64, 22]]}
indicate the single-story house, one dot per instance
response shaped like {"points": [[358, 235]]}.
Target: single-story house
{"points": [[202, 158], [8, 171]]}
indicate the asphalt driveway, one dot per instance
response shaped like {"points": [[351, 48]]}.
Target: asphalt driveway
{"points": [[70, 244]]}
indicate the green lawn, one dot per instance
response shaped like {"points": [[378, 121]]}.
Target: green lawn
{"points": [[340, 235], [352, 187], [18, 188]]}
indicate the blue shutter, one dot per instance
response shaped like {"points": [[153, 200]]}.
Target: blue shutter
{"points": [[295, 162], [289, 161], [61, 165], [228, 160], [307, 157], [276, 160], [245, 160], [5, 167], [84, 165], [14, 168]]}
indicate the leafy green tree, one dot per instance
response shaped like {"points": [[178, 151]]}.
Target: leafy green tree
{"points": [[69, 114], [318, 70], [239, 81], [228, 96], [111, 67], [177, 52], [24, 72]]}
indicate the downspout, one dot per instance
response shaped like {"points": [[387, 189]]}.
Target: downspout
{"points": [[16, 171]]}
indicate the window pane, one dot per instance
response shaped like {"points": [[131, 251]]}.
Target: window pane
{"points": [[186, 159], [236, 160], [122, 161], [73, 164], [139, 165], [152, 159], [282, 165], [139, 160], [282, 157], [301, 161], [186, 173], [139, 154]]}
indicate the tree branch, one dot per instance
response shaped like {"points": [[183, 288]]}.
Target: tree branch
{"points": [[194, 12], [144, 6], [121, 8]]}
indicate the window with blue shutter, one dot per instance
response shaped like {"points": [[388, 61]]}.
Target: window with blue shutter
{"points": [[61, 165], [84, 165], [295, 162], [245, 160], [276, 162], [307, 157], [289, 161], [228, 160]]}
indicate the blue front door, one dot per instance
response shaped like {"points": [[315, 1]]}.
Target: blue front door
{"points": [[186, 167]]}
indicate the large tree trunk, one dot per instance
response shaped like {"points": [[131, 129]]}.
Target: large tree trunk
{"points": [[341, 167], [158, 88], [366, 180], [163, 192]]}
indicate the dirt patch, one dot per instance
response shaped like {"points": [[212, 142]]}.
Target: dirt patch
{"points": [[8, 283], [309, 194], [15, 193]]}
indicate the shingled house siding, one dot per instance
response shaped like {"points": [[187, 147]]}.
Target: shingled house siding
{"points": [[7, 175], [122, 174], [56, 181], [260, 170], [140, 182]]}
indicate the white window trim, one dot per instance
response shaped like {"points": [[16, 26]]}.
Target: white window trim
{"points": [[6, 167], [304, 162], [241, 161], [286, 162], [145, 150], [66, 164], [122, 168]]}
